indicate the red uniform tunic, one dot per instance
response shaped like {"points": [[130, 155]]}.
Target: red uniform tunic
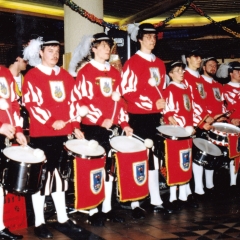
{"points": [[194, 81], [178, 104], [94, 86], [231, 93], [214, 96], [47, 96], [141, 97], [9, 98]]}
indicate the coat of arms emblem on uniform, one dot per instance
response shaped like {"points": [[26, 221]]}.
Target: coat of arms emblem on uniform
{"points": [[186, 101], [106, 86], [201, 91], [154, 72], [217, 94], [57, 90], [4, 88]]}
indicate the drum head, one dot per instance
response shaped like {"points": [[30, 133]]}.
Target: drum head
{"points": [[81, 147], [226, 128], [173, 131], [23, 154], [207, 147], [126, 144]]}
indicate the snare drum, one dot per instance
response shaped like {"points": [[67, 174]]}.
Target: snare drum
{"points": [[220, 133], [206, 154], [24, 169], [173, 132], [88, 172], [132, 167]]}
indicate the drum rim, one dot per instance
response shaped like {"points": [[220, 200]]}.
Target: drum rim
{"points": [[225, 124], [83, 156], [126, 137], [209, 142], [173, 137], [22, 162]]}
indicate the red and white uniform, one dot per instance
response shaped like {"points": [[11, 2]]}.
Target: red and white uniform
{"points": [[194, 81], [231, 93], [178, 104], [46, 94], [8, 97], [214, 96], [141, 97], [94, 86]]}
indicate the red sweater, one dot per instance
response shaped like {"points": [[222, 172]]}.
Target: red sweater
{"points": [[141, 97], [94, 86], [178, 104], [47, 99], [10, 115]]}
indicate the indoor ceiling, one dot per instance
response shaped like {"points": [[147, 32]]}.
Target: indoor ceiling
{"points": [[124, 12]]}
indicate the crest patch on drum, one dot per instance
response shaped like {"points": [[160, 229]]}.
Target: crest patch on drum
{"points": [[185, 156], [139, 172], [96, 182]]}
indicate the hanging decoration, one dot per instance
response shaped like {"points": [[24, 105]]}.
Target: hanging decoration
{"points": [[200, 12], [161, 35]]}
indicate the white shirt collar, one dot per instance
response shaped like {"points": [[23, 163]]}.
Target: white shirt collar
{"points": [[180, 85], [194, 73], [48, 70], [149, 57], [207, 79], [100, 66], [234, 84]]}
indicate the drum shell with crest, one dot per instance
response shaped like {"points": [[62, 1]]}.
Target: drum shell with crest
{"points": [[24, 171]]}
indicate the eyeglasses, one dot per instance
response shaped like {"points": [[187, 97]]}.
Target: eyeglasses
{"points": [[150, 36], [180, 70]]}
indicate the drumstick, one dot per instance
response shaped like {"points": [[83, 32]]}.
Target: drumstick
{"points": [[223, 115], [69, 120], [134, 135]]}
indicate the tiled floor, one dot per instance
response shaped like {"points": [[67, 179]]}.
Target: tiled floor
{"points": [[218, 217]]}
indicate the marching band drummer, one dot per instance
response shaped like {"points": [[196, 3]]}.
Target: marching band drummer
{"points": [[231, 92], [143, 81], [46, 95], [96, 87], [215, 107], [194, 81], [179, 111], [16, 64], [10, 127]]}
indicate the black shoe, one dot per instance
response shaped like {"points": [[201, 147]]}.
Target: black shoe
{"points": [[42, 231], [177, 206], [69, 225], [138, 213], [164, 207], [6, 234], [113, 217], [191, 201], [96, 220]]}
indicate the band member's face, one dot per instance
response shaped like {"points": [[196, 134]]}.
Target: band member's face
{"points": [[210, 68], [101, 52], [148, 42], [235, 76], [194, 62], [50, 55], [177, 74]]}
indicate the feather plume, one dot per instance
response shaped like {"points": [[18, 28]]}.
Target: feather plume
{"points": [[183, 57], [133, 31], [81, 51], [31, 52], [222, 71]]}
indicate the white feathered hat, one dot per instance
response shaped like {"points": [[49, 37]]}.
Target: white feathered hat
{"points": [[225, 68], [32, 50], [83, 49]]}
